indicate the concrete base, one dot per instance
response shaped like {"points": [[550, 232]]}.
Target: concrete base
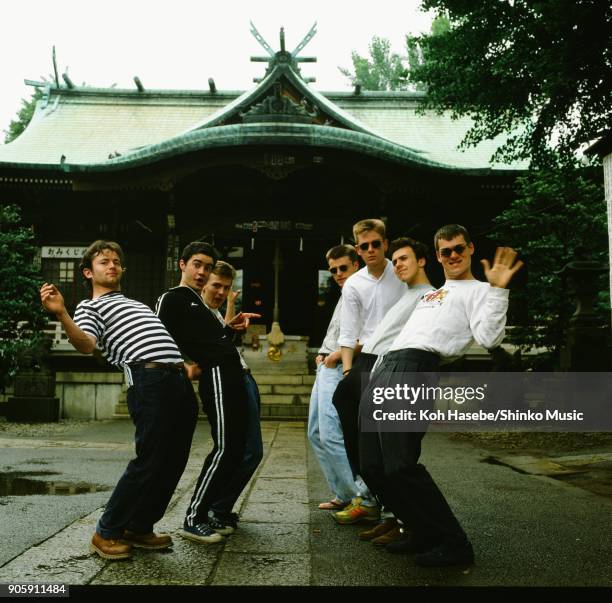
{"points": [[33, 409]]}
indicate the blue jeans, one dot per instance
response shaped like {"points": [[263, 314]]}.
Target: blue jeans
{"points": [[325, 435], [164, 409], [252, 454]]}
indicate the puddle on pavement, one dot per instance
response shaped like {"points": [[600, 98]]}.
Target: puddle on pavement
{"points": [[23, 483], [594, 477], [589, 473]]}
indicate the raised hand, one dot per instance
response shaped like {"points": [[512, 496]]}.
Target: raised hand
{"points": [[231, 299], [240, 322], [51, 299], [504, 267]]}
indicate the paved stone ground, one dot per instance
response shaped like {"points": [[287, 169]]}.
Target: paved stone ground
{"points": [[527, 530]]}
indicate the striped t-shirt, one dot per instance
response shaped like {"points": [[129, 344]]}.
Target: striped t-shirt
{"points": [[125, 330]]}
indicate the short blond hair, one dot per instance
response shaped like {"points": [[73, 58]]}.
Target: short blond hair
{"points": [[370, 224], [224, 270]]}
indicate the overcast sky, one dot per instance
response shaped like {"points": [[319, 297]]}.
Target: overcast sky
{"points": [[181, 43]]}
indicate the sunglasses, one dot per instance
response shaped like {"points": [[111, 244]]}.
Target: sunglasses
{"points": [[342, 268], [448, 251], [375, 245]]}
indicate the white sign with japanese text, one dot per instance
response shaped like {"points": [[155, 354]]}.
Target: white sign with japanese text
{"points": [[62, 252]]}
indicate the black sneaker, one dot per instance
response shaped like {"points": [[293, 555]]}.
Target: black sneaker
{"points": [[218, 522], [230, 519], [446, 555], [403, 546], [200, 533]]}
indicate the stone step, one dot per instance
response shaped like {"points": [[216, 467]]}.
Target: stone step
{"points": [[301, 390], [273, 406], [276, 379], [287, 399], [284, 411]]}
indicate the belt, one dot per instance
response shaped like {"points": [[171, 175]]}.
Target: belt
{"points": [[247, 371], [179, 367]]}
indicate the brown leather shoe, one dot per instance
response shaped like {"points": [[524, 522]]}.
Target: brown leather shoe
{"points": [[147, 541], [379, 529], [390, 536], [110, 548]]}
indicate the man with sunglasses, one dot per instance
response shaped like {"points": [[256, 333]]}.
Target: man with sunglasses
{"points": [[442, 326], [324, 429], [366, 298]]}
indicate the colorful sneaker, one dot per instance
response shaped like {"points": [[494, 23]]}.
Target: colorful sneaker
{"points": [[356, 512], [200, 533], [217, 522]]}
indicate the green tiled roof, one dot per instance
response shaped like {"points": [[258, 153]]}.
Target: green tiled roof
{"points": [[107, 129]]}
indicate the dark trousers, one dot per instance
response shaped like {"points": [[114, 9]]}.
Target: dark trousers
{"points": [[346, 401], [252, 454], [225, 401], [164, 409], [389, 462]]}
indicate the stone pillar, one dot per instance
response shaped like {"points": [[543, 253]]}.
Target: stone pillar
{"points": [[607, 166], [588, 340]]}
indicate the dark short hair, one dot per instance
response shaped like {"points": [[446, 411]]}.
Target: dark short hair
{"points": [[340, 251], [196, 247], [420, 249], [224, 270], [93, 250], [450, 231]]}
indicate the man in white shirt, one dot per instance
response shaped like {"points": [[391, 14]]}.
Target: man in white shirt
{"points": [[324, 429], [366, 298], [443, 325]]}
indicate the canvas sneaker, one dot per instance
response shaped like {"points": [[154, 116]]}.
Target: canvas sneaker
{"points": [[200, 532], [218, 522], [356, 512]]}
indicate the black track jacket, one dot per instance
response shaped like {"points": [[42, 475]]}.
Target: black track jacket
{"points": [[197, 332]]}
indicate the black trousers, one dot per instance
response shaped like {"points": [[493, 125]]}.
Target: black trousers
{"points": [[225, 401], [346, 401], [164, 410], [389, 462]]}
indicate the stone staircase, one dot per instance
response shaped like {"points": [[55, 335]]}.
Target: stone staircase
{"points": [[284, 385]]}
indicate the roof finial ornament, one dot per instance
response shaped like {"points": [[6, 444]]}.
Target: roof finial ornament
{"points": [[261, 40], [309, 36], [283, 57]]}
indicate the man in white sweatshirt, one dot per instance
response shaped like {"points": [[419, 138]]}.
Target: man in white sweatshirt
{"points": [[442, 326]]}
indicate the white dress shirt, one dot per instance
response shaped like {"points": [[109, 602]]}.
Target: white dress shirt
{"points": [[365, 301]]}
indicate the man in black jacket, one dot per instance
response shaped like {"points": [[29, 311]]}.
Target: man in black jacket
{"points": [[203, 339]]}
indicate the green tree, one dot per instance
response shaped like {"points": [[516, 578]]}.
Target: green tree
{"points": [[540, 71], [383, 70], [22, 343], [24, 116], [559, 215], [440, 25]]}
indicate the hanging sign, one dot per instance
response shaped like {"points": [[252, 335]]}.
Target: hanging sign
{"points": [[62, 252]]}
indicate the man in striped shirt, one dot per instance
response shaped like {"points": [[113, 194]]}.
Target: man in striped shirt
{"points": [[160, 399]]}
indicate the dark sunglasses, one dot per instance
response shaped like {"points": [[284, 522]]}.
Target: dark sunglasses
{"points": [[342, 268], [375, 245], [448, 251]]}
